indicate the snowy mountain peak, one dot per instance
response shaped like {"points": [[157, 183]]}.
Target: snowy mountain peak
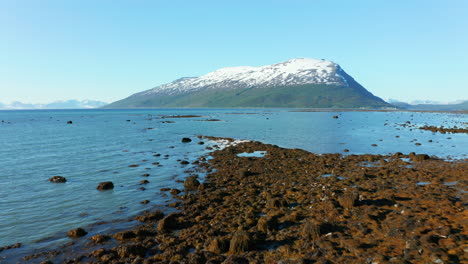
{"points": [[292, 72]]}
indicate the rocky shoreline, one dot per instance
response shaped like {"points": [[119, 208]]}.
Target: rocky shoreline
{"points": [[293, 206]]}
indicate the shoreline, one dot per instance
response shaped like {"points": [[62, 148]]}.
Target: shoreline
{"points": [[298, 207]]}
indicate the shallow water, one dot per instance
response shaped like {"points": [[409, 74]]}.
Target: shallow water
{"points": [[101, 144]]}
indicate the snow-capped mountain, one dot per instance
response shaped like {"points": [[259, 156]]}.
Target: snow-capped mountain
{"points": [[291, 72], [294, 83]]}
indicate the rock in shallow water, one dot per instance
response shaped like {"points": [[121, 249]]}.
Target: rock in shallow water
{"points": [[186, 140], [58, 179], [108, 185], [75, 233], [191, 183]]}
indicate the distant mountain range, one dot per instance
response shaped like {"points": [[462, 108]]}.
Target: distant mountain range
{"points": [[69, 104], [296, 83], [431, 105]]}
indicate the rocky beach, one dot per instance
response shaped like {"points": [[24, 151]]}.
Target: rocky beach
{"points": [[277, 205]]}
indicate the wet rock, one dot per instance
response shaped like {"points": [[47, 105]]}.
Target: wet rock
{"points": [[145, 175], [69, 122], [144, 182], [335, 117], [145, 202], [131, 251], [168, 223], [124, 235], [186, 140], [108, 185], [58, 179], [191, 183], [17, 245], [184, 162], [150, 216], [75, 233], [175, 191], [240, 243], [99, 239]]}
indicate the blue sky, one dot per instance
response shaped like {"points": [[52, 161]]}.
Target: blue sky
{"points": [[108, 49]]}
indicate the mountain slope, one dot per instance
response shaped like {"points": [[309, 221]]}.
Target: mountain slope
{"points": [[299, 83]]}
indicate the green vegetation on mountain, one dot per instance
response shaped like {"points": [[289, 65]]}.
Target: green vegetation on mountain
{"points": [[301, 96]]}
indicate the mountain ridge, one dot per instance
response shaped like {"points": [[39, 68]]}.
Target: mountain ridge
{"points": [[268, 86]]}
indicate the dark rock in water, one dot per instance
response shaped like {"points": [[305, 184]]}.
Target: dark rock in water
{"points": [[201, 143], [17, 245], [345, 150], [75, 233], [58, 179], [151, 216], [184, 162], [145, 202], [186, 140], [191, 183], [374, 145], [145, 175], [240, 243], [69, 122], [144, 182], [108, 185], [175, 191], [335, 117]]}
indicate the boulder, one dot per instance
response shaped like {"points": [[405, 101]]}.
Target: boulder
{"points": [[108, 185], [191, 183], [58, 179], [186, 140], [78, 232]]}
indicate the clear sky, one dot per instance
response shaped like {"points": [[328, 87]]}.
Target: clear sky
{"points": [[108, 49]]}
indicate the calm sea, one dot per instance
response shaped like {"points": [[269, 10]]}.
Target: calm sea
{"points": [[100, 145]]}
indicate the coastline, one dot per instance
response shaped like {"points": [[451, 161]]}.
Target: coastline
{"points": [[298, 207]]}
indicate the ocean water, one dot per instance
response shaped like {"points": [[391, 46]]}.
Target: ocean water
{"points": [[100, 145]]}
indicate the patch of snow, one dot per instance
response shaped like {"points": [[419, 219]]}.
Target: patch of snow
{"points": [[291, 72]]}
